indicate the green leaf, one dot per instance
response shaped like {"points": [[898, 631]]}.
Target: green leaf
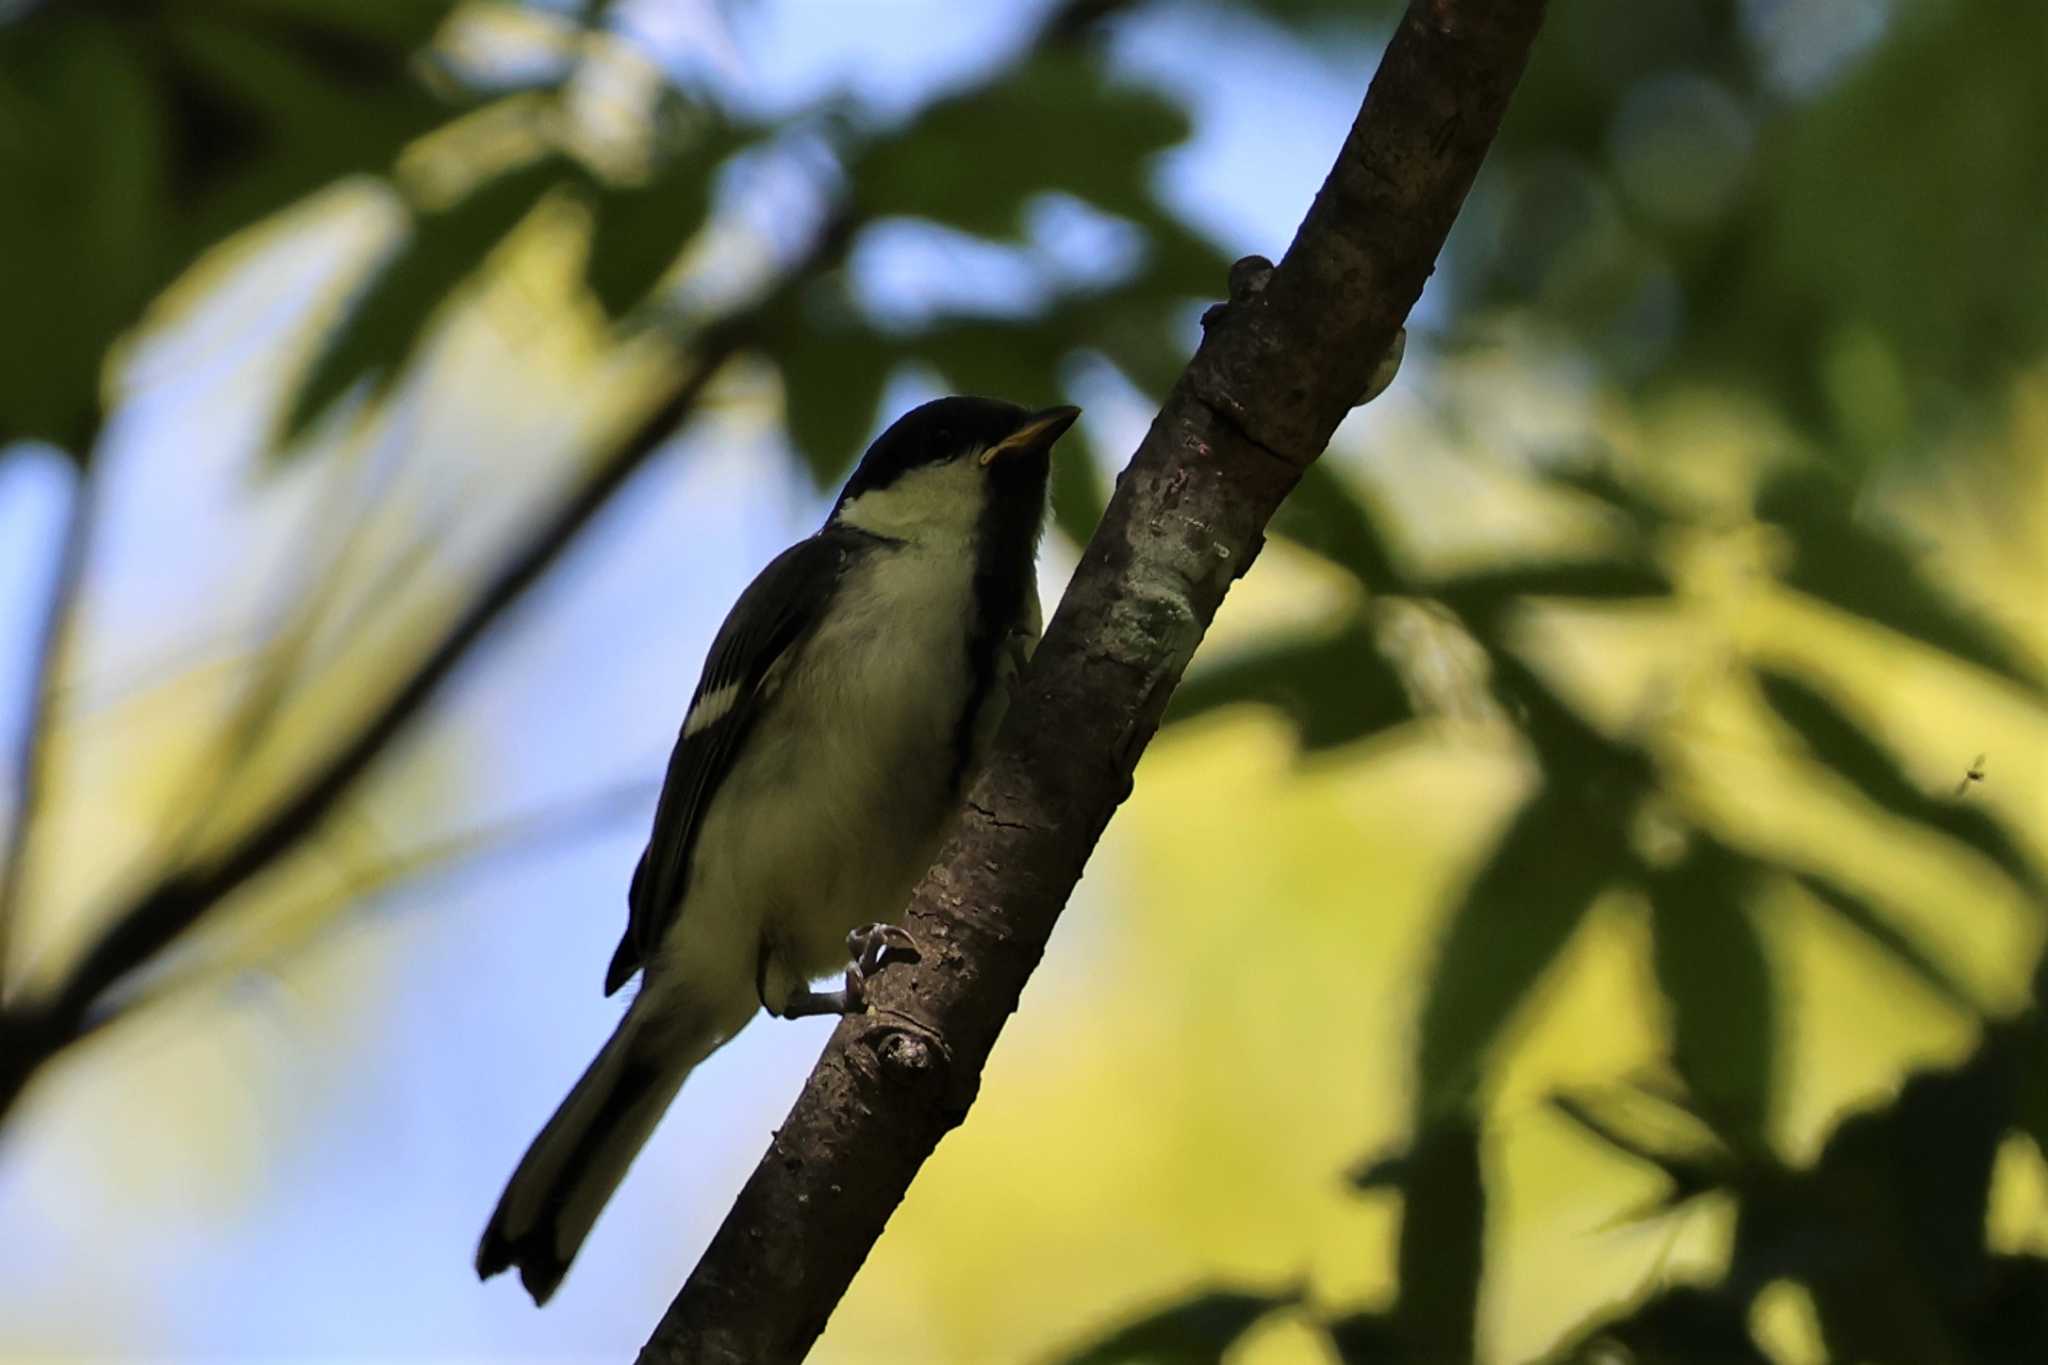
{"points": [[1949, 283], [80, 251], [638, 231], [1692, 1167], [1146, 324], [400, 24], [1481, 595], [386, 322], [1013, 358], [1713, 971], [265, 111], [1442, 1251], [1840, 744], [1335, 687], [1875, 925], [1577, 756], [1510, 925], [1197, 1331], [1599, 482], [1861, 571], [1059, 123], [834, 370]]}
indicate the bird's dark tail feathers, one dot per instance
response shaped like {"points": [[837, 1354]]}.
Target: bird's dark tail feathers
{"points": [[580, 1157]]}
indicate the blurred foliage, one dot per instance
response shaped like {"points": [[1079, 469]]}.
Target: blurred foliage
{"points": [[1831, 230]]}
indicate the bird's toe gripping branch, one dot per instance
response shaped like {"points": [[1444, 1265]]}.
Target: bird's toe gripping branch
{"points": [[870, 948], [874, 946]]}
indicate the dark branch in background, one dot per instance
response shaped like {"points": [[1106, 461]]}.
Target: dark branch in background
{"points": [[32, 1032], [414, 868], [46, 656], [1278, 369]]}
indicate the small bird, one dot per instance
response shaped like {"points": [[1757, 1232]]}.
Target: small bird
{"points": [[844, 705]]}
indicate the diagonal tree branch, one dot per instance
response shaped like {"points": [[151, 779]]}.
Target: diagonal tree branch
{"points": [[1278, 369]]}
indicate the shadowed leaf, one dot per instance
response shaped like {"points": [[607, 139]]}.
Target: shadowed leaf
{"points": [[1323, 514], [1874, 925], [834, 368], [270, 107], [1335, 687], [2012, 1321], [1903, 1258], [1482, 595], [1712, 969], [1685, 1325], [1840, 744], [639, 230], [140, 136], [1848, 565], [1512, 922], [1384, 1172], [2031, 1047], [1013, 358], [1366, 1339], [1643, 514], [1197, 1331], [1692, 1167], [1057, 124], [388, 319], [82, 161]]}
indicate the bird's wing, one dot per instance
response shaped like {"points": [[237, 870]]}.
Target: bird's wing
{"points": [[779, 608]]}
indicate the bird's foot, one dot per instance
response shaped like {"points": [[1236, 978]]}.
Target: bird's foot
{"points": [[874, 946], [871, 948]]}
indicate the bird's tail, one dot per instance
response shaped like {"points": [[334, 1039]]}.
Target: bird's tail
{"points": [[582, 1154]]}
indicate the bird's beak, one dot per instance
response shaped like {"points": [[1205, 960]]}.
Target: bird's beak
{"points": [[1037, 434]]}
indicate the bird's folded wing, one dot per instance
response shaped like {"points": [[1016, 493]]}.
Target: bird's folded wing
{"points": [[773, 616]]}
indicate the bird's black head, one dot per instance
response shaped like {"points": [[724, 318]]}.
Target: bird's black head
{"points": [[950, 459]]}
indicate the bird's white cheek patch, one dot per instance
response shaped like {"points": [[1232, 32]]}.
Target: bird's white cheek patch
{"points": [[710, 709]]}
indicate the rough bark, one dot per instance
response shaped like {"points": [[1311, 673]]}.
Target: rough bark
{"points": [[1277, 370]]}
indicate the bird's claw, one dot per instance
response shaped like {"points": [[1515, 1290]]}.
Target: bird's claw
{"points": [[874, 946]]}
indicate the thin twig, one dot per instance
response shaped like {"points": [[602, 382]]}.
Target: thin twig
{"points": [[404, 869]]}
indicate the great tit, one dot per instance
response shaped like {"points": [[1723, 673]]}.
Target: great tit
{"points": [[845, 703]]}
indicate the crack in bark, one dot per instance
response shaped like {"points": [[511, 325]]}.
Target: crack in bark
{"points": [[988, 815]]}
